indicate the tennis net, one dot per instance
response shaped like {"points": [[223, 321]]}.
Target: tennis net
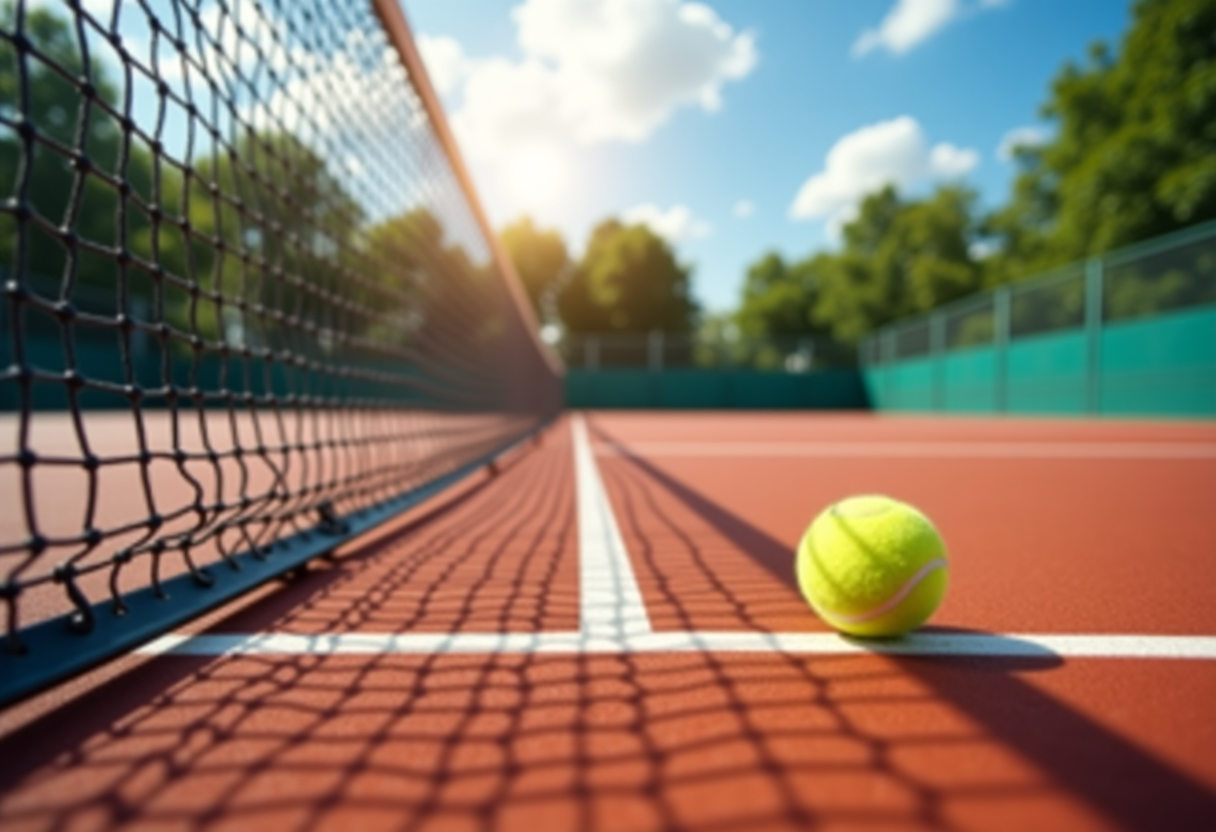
{"points": [[251, 308]]}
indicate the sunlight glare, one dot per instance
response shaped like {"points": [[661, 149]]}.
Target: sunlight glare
{"points": [[535, 175]]}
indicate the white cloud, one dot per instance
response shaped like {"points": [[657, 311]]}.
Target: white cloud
{"points": [[744, 208], [592, 71], [674, 225], [445, 62], [1029, 136], [887, 153], [948, 161], [910, 23], [907, 24], [508, 106], [983, 249]]}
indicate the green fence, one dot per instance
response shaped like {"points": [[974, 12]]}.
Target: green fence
{"points": [[723, 388], [703, 370], [1132, 332], [717, 349]]}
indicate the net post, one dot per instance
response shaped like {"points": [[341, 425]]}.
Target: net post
{"points": [[1094, 301]]}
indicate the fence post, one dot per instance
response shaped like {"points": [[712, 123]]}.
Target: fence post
{"points": [[654, 351], [937, 349], [591, 352], [1000, 338], [1094, 302], [888, 359]]}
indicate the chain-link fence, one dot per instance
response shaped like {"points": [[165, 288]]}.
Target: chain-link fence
{"points": [[1121, 332], [682, 351]]}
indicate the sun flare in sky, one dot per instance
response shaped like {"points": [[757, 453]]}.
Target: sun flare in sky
{"points": [[734, 128], [536, 175]]}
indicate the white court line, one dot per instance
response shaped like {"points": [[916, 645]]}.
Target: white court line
{"points": [[614, 619], [610, 601], [935, 450], [976, 645]]}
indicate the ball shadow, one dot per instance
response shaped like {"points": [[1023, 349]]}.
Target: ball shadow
{"points": [[1130, 786]]}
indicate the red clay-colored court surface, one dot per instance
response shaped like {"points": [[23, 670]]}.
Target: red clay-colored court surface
{"points": [[606, 635]]}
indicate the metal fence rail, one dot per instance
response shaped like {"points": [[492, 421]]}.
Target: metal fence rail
{"points": [[660, 351], [1122, 332]]}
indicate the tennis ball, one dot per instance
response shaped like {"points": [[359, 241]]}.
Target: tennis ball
{"points": [[872, 566]]}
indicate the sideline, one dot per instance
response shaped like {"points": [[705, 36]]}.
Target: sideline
{"points": [[614, 620]]}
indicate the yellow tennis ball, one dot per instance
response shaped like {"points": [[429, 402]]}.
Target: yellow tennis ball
{"points": [[872, 566]]}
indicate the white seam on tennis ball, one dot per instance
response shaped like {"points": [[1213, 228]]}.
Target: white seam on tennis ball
{"points": [[892, 602], [865, 505]]}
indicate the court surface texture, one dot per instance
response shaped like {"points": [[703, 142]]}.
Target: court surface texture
{"points": [[605, 633]]}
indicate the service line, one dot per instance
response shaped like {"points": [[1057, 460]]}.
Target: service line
{"points": [[924, 643], [610, 601], [613, 617], [851, 449]]}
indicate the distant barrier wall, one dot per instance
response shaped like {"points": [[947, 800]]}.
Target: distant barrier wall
{"points": [[708, 370], [720, 389], [1129, 333]]}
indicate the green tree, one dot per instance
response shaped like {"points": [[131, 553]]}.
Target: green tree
{"points": [[274, 229], [898, 258], [540, 259], [423, 291], [628, 281], [578, 309], [74, 192], [778, 298], [1134, 151], [776, 316]]}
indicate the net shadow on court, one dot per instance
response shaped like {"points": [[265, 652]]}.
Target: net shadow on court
{"points": [[1067, 749], [688, 741]]}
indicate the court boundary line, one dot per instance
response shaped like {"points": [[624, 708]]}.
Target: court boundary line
{"points": [[610, 600], [963, 449], [613, 618], [924, 643]]}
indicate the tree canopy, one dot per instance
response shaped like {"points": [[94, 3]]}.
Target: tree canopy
{"points": [[540, 259], [627, 281], [897, 257], [158, 230], [778, 297], [1133, 156], [1134, 151], [273, 198], [56, 113]]}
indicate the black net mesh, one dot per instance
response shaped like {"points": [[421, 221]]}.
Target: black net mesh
{"points": [[245, 293]]}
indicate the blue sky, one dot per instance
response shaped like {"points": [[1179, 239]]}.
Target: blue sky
{"points": [[737, 126]]}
